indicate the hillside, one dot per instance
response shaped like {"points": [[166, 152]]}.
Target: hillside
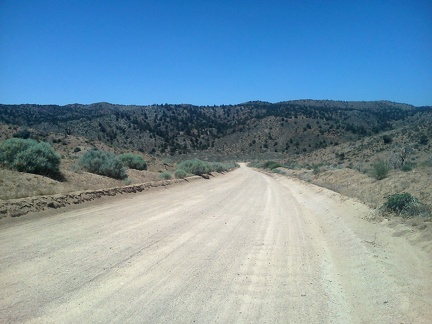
{"points": [[251, 129], [331, 143]]}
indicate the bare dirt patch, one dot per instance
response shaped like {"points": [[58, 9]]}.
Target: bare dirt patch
{"points": [[354, 184], [244, 247]]}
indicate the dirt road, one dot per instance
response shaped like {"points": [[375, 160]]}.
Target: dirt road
{"points": [[240, 248]]}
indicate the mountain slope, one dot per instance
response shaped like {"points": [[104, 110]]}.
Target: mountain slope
{"points": [[292, 127]]}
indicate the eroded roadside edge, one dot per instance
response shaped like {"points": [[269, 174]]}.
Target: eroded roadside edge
{"points": [[19, 207]]}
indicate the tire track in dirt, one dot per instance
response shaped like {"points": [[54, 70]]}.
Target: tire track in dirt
{"points": [[239, 248]]}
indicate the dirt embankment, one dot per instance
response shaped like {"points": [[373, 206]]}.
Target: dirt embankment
{"points": [[373, 192], [22, 206]]}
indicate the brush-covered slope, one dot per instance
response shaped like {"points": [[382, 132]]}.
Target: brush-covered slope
{"points": [[252, 128]]}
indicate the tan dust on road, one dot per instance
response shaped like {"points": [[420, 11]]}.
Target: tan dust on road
{"points": [[240, 248]]}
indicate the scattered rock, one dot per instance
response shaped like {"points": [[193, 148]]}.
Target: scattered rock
{"points": [[53, 204]]}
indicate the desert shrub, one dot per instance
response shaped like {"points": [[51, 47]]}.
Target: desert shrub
{"points": [[11, 147], [292, 165], [266, 165], [165, 175], [400, 157], [428, 162], [77, 149], [194, 166], [103, 163], [387, 139], [127, 181], [180, 174], [133, 161], [26, 155], [398, 202], [222, 167], [423, 140], [278, 171], [40, 159], [23, 133], [407, 167], [199, 167], [379, 170], [230, 166], [218, 167], [406, 205], [271, 165]]}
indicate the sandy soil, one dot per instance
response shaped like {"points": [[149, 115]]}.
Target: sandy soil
{"points": [[15, 185], [240, 248], [355, 184]]}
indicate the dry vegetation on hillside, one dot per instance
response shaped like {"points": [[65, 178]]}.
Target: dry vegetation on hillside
{"points": [[334, 144]]}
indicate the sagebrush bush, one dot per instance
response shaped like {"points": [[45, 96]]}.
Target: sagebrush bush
{"points": [[406, 205], [398, 202], [133, 161], [379, 170], [200, 168], [11, 147], [407, 167], [27, 155], [194, 166], [316, 169], [222, 167], [165, 175], [265, 164], [218, 167], [103, 163], [23, 133], [271, 165], [387, 139], [180, 174], [278, 171]]}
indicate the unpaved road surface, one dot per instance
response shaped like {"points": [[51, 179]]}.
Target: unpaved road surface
{"points": [[240, 248]]}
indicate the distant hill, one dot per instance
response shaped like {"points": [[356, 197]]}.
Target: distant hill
{"points": [[249, 129]]}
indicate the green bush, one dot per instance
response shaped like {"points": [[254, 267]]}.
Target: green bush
{"points": [[194, 166], [103, 163], [218, 167], [199, 167], [133, 161], [222, 167], [406, 205], [424, 140], [387, 139], [398, 202], [26, 155], [10, 148], [380, 170], [165, 176], [271, 165], [23, 133], [407, 167], [278, 171], [180, 174]]}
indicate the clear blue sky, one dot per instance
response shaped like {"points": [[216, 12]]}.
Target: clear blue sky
{"points": [[214, 52]]}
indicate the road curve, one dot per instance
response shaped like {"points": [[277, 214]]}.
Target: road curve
{"points": [[240, 248]]}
